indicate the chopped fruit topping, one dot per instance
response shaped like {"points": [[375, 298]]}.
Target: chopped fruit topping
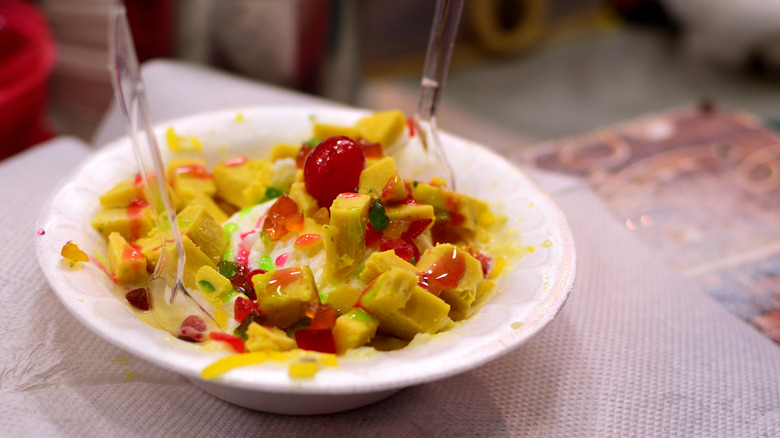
{"points": [[235, 342], [316, 340], [192, 329], [333, 167], [323, 316], [378, 217], [282, 217], [243, 308], [72, 252], [304, 152], [306, 240], [139, 298], [403, 247]]}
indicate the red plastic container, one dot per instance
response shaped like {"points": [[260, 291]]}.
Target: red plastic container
{"points": [[27, 58]]}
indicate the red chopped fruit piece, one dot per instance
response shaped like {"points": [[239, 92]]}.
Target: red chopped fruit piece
{"points": [[372, 235], [416, 228], [403, 247], [192, 329], [282, 217], [243, 285], [484, 261], [316, 340], [322, 316], [332, 168], [303, 152], [305, 240], [412, 125], [234, 341], [243, 308], [139, 298], [370, 149]]}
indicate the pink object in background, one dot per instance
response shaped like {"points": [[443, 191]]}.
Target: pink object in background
{"points": [[27, 56]]}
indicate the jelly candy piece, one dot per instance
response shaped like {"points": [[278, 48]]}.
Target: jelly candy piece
{"points": [[139, 298], [316, 340], [192, 329], [243, 308], [72, 252], [234, 341]]}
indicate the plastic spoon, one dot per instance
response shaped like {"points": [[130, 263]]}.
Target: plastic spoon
{"points": [[446, 20], [130, 93]]}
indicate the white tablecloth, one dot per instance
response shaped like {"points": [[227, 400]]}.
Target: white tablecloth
{"points": [[636, 351]]}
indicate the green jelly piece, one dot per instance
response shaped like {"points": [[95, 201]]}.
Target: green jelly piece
{"points": [[378, 216], [361, 315], [266, 264], [206, 286], [227, 269], [273, 193]]}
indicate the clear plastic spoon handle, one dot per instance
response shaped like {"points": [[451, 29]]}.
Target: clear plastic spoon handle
{"points": [[446, 20], [130, 92]]}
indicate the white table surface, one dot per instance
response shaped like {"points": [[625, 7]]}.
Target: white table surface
{"points": [[636, 351]]}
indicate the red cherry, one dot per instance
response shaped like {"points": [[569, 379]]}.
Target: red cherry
{"points": [[333, 167]]}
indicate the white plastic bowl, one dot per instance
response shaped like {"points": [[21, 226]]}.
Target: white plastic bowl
{"points": [[525, 300]]}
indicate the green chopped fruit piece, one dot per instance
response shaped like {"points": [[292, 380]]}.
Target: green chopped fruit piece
{"points": [[378, 217], [273, 193], [213, 285], [360, 315], [266, 264], [230, 229], [227, 268], [205, 286]]}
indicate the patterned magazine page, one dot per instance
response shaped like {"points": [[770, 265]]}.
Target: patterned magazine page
{"points": [[702, 185]]}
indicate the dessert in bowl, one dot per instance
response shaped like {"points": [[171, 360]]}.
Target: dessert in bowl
{"points": [[375, 340]]}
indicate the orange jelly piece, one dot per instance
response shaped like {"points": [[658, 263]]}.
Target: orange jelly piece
{"points": [[282, 217]]}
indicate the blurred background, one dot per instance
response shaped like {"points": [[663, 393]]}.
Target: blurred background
{"points": [[523, 70]]}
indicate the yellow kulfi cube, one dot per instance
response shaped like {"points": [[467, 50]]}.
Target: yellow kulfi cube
{"points": [[284, 150], [353, 329], [381, 181], [196, 223], [402, 307], [262, 338], [285, 294], [213, 285], [379, 262], [307, 205], [383, 127], [463, 210], [323, 130], [343, 297], [123, 194], [344, 237], [190, 173], [127, 264], [454, 261], [131, 223], [243, 182]]}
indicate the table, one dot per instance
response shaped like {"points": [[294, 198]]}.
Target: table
{"points": [[636, 351]]}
